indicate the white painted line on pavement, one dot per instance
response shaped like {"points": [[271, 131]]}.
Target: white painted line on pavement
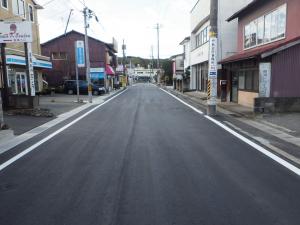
{"points": [[178, 99], [31, 148], [259, 148]]}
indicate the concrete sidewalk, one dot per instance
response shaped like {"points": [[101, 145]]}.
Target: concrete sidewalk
{"points": [[62, 107]]}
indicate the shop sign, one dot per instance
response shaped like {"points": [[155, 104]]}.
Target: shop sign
{"points": [[264, 79], [80, 57], [17, 31]]}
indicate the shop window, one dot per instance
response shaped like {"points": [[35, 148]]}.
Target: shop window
{"points": [[242, 80], [248, 80]]}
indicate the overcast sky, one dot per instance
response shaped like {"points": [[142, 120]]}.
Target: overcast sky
{"points": [[132, 20]]}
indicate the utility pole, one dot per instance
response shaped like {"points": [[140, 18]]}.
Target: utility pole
{"points": [[213, 64], [152, 72], [124, 60], [157, 27], [4, 92], [86, 13], [68, 21]]}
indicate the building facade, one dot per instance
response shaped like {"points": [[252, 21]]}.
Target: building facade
{"points": [[178, 71], [61, 50], [20, 10], [199, 41], [267, 64], [186, 44]]}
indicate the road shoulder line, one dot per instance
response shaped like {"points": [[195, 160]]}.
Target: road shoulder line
{"points": [[259, 148], [31, 148]]}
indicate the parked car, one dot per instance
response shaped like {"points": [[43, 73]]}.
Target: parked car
{"points": [[70, 87]]}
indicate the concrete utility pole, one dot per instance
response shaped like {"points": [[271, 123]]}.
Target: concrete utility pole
{"points": [[157, 27], [4, 92], [213, 64], [88, 66], [124, 60]]}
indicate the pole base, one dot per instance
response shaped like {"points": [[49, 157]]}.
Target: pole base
{"points": [[211, 110]]}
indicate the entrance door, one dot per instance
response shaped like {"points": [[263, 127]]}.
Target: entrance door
{"points": [[234, 87], [21, 83]]}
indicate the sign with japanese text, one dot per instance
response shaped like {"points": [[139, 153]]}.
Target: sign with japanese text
{"points": [[17, 31], [80, 57], [213, 71], [264, 79], [31, 71]]}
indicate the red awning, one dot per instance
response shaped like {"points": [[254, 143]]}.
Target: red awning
{"points": [[109, 70], [257, 52]]}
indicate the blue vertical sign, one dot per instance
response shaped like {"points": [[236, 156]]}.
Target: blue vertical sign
{"points": [[80, 55]]}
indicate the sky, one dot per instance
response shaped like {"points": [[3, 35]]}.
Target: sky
{"points": [[131, 20]]}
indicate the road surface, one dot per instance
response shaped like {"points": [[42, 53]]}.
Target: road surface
{"points": [[144, 158]]}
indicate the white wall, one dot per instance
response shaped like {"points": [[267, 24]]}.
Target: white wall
{"points": [[199, 13]]}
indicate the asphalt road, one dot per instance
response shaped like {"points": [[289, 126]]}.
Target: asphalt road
{"points": [[146, 159]]}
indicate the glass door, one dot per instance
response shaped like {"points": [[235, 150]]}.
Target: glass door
{"points": [[21, 84]]}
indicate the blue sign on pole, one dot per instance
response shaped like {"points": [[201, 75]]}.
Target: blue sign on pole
{"points": [[80, 56]]}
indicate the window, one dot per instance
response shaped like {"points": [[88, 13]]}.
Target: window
{"points": [[19, 8], [30, 13], [4, 4], [265, 29], [59, 56], [248, 80], [202, 37]]}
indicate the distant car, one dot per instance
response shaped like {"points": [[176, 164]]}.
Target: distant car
{"points": [[70, 87]]}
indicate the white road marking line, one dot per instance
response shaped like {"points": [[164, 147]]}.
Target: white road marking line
{"points": [[31, 148], [279, 160], [178, 99], [257, 147]]}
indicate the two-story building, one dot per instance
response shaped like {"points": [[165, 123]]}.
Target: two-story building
{"points": [[199, 40], [61, 50], [265, 72], [178, 71], [186, 44], [20, 10]]}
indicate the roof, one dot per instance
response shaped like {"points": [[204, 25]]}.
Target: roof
{"points": [[251, 6], [175, 56], [261, 52], [36, 5], [76, 32], [185, 40]]}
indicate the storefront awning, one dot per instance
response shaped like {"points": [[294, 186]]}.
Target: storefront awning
{"points": [[261, 52], [20, 60], [109, 70]]}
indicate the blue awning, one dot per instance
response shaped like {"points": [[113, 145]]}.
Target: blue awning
{"points": [[20, 60]]}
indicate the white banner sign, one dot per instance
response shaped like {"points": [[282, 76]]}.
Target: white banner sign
{"points": [[31, 71], [18, 31], [213, 71], [264, 79]]}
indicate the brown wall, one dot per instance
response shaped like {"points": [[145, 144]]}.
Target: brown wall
{"points": [[65, 69], [9, 16], [286, 73], [293, 29]]}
